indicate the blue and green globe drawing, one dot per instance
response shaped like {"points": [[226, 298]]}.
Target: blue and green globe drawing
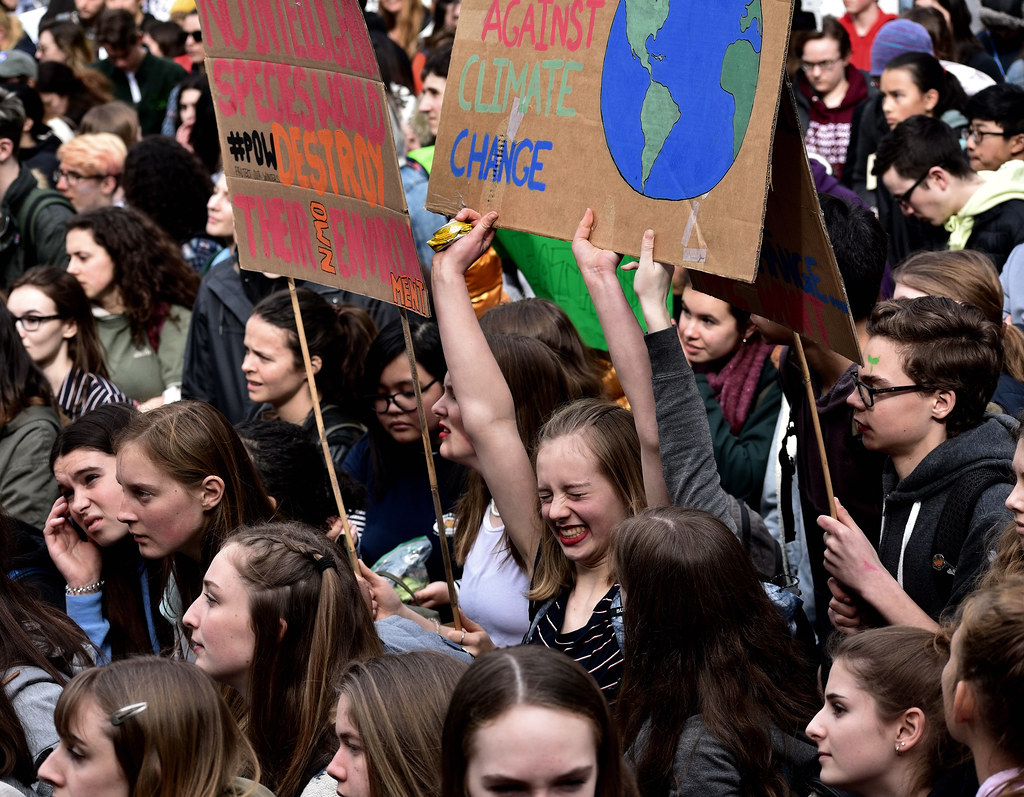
{"points": [[667, 56]]}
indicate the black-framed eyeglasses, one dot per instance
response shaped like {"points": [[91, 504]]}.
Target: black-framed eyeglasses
{"points": [[197, 35], [74, 178], [405, 400], [867, 393], [904, 198], [979, 135], [30, 323]]}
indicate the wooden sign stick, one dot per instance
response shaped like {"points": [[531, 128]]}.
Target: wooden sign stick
{"points": [[799, 346], [428, 452], [311, 380]]}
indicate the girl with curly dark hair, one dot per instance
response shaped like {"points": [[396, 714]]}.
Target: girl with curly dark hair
{"points": [[142, 292], [156, 163]]}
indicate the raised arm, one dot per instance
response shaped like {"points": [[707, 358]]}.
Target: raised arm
{"points": [[625, 345], [485, 402], [687, 453]]}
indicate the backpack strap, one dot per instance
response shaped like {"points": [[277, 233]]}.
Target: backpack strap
{"points": [[38, 199], [617, 611], [537, 612], [955, 522]]}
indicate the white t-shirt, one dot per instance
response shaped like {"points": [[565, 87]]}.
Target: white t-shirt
{"points": [[493, 591]]}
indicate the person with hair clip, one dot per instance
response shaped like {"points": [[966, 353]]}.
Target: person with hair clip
{"points": [[389, 458], [59, 333], [142, 293], [149, 726], [494, 578], [40, 649], [983, 686], [530, 720], [390, 717], [275, 374], [112, 592], [187, 483], [881, 731], [702, 634], [587, 473], [280, 618], [28, 427], [969, 277]]}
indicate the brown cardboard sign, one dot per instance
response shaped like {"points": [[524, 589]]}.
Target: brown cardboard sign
{"points": [[308, 148], [798, 283], [655, 113]]}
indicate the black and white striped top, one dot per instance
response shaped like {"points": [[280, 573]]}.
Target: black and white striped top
{"points": [[594, 646], [83, 392]]}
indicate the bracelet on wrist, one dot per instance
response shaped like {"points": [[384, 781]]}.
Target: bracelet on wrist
{"points": [[88, 589]]}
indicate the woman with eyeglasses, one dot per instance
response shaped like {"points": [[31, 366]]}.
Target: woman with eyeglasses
{"points": [[275, 374], [58, 331], [389, 459], [828, 91]]}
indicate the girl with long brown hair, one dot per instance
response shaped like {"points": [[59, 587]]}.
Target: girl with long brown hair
{"points": [[112, 592], [188, 482], [142, 293], [280, 618]]}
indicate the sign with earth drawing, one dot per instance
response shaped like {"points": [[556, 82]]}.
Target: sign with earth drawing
{"points": [[655, 113]]}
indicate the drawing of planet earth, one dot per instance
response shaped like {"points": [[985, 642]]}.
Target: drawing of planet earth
{"points": [[677, 90]]}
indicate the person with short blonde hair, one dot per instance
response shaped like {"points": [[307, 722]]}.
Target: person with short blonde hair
{"points": [[90, 170]]}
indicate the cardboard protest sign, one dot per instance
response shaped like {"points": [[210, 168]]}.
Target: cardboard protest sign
{"points": [[308, 149], [798, 283], [655, 114]]}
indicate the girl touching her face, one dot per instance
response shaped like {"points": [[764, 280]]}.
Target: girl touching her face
{"points": [[112, 592]]}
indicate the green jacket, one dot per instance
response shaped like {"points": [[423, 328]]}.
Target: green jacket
{"points": [[156, 77], [27, 488], [743, 458], [139, 371]]}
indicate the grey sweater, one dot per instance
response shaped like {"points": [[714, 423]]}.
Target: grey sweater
{"points": [[687, 453]]}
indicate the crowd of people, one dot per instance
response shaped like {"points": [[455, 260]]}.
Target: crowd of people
{"points": [[657, 592]]}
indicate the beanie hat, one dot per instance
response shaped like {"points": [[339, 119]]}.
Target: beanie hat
{"points": [[896, 38]]}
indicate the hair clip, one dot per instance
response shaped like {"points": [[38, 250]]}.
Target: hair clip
{"points": [[122, 714]]}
